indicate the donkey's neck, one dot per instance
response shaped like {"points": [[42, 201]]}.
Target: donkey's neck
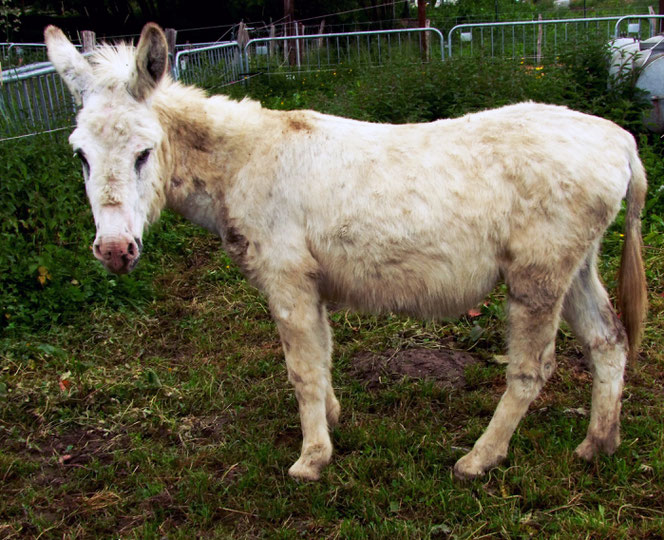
{"points": [[208, 141]]}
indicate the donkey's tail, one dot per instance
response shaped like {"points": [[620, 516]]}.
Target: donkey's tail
{"points": [[632, 294]]}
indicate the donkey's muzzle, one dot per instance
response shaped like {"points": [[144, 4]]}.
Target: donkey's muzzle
{"points": [[118, 254]]}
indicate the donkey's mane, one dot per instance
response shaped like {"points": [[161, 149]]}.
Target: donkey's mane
{"points": [[113, 64]]}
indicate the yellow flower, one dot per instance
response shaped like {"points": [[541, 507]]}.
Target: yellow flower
{"points": [[43, 276]]}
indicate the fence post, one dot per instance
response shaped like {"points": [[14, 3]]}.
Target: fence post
{"points": [[653, 22], [242, 35], [539, 41], [88, 40], [289, 14], [421, 22], [296, 26], [171, 36], [321, 29], [272, 47]]}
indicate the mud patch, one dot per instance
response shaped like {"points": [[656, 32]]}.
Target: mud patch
{"points": [[79, 446], [445, 367]]}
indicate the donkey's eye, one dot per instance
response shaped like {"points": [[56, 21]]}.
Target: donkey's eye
{"points": [[142, 159], [84, 162]]}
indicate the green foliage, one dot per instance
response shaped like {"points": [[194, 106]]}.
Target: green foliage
{"points": [[47, 271], [10, 18], [470, 11], [405, 92]]}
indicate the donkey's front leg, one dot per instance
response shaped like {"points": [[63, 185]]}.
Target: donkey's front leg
{"points": [[305, 335]]}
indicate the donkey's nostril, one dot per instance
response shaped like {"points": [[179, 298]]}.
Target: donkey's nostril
{"points": [[131, 248]]}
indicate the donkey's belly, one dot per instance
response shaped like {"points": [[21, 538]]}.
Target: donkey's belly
{"points": [[429, 284]]}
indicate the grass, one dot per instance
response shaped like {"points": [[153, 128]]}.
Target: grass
{"points": [[158, 405]]}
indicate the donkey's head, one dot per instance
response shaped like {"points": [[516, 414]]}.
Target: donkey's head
{"points": [[118, 137]]}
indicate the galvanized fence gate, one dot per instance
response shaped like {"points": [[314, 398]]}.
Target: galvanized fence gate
{"points": [[225, 63], [541, 39], [33, 99]]}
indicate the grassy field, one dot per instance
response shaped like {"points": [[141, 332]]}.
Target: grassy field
{"points": [[157, 404]]}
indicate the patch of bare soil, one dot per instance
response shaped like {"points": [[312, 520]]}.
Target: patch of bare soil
{"points": [[79, 446], [443, 366]]}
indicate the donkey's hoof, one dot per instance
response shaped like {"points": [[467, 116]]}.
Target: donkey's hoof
{"points": [[593, 446], [474, 465], [468, 468], [301, 471], [311, 462], [587, 450]]}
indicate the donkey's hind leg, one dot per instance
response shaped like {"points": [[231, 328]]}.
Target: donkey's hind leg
{"points": [[305, 334], [534, 312], [590, 314]]}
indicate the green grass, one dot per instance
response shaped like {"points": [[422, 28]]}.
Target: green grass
{"points": [[157, 404]]}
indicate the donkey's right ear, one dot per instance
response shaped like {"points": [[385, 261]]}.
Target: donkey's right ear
{"points": [[68, 62]]}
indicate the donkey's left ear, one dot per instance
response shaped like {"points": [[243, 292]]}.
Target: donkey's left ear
{"points": [[151, 62]]}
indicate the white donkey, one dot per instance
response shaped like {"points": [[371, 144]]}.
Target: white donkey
{"points": [[420, 219]]}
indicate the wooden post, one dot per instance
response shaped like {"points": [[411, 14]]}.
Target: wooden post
{"points": [[301, 44], [321, 29], [88, 40], [421, 22], [289, 12], [296, 26], [273, 44], [539, 41], [171, 37], [653, 22], [242, 35]]}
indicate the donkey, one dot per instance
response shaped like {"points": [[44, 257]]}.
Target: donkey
{"points": [[419, 219]]}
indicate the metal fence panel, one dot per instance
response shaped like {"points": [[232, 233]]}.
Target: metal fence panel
{"points": [[34, 100], [314, 52], [639, 31], [213, 65], [20, 54], [533, 40]]}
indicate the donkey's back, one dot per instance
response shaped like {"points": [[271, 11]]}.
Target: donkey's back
{"points": [[424, 218]]}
